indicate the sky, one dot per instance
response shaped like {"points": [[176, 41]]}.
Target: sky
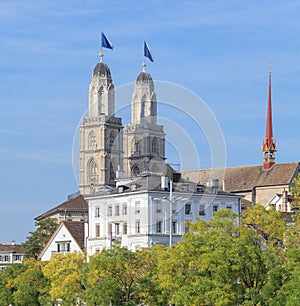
{"points": [[217, 49]]}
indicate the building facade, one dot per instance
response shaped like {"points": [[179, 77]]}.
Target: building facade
{"points": [[10, 254], [139, 216]]}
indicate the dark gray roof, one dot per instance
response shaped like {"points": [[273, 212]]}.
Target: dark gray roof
{"points": [[101, 69], [10, 248], [144, 77]]}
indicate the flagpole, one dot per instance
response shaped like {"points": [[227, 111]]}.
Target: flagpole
{"points": [[144, 57], [101, 52]]}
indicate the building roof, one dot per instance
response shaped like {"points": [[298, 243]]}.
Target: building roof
{"points": [[101, 69], [76, 229], [10, 248], [76, 204], [245, 178]]}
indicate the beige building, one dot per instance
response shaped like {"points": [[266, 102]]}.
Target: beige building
{"points": [[253, 182], [100, 134]]}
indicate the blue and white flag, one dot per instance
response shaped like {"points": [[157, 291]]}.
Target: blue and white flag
{"points": [[105, 43], [147, 52]]}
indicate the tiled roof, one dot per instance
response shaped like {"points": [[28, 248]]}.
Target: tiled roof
{"points": [[76, 228], [245, 178], [11, 248], [77, 204]]}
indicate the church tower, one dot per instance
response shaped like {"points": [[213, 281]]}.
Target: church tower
{"points": [[100, 134], [144, 139], [269, 143]]}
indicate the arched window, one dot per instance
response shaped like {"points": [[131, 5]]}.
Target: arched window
{"points": [[137, 148], [92, 169], [112, 172], [112, 138], [135, 170], [155, 149], [92, 141]]}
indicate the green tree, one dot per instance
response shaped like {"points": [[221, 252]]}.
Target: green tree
{"points": [[63, 273], [37, 239], [31, 286], [7, 285], [115, 275]]}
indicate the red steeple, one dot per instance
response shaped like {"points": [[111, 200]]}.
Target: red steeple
{"points": [[269, 143]]}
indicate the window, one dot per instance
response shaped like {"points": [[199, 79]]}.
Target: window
{"points": [[17, 258], [92, 169], [185, 188], [137, 227], [174, 208], [117, 210], [215, 208], [229, 207], [1, 258], [97, 230], [154, 147], [202, 210], [92, 141], [109, 228], [112, 138], [125, 228], [135, 170], [137, 207], [174, 227], [117, 228], [63, 247], [159, 207], [6, 257], [97, 212], [124, 210], [109, 211], [188, 210], [158, 226]]}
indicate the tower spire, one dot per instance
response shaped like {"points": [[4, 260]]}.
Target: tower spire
{"points": [[269, 143]]}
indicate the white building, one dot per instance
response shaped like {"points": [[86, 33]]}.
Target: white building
{"points": [[139, 212], [68, 237], [10, 254]]}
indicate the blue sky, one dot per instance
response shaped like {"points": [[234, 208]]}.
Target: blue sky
{"points": [[218, 49]]}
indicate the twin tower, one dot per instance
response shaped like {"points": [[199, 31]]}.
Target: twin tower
{"points": [[108, 150]]}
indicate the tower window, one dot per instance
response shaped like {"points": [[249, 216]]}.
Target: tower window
{"points": [[92, 141], [155, 150], [112, 137], [92, 168], [135, 170]]}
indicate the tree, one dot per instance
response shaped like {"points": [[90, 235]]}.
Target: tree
{"points": [[115, 276], [7, 286], [63, 273], [31, 285], [38, 239]]}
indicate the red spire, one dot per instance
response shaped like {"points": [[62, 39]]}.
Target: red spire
{"points": [[269, 144]]}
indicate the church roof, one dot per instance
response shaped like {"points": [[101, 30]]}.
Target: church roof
{"points": [[245, 178], [144, 77], [101, 69], [77, 204]]}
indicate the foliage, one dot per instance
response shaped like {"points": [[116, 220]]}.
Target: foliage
{"points": [[37, 239], [31, 286], [115, 276], [295, 190], [63, 273], [7, 286], [223, 261]]}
